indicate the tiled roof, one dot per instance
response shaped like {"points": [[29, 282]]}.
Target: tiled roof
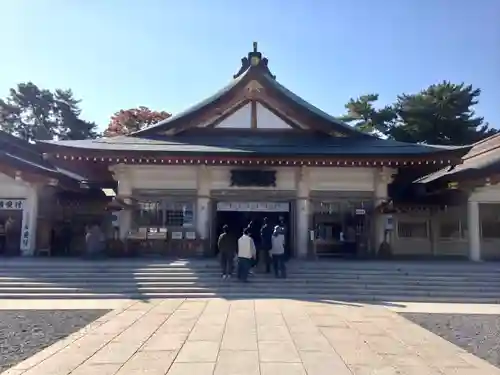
{"points": [[259, 143], [482, 158]]}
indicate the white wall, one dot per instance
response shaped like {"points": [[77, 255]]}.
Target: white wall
{"points": [[342, 179], [241, 119], [218, 178], [162, 177], [486, 194], [10, 188], [268, 120]]}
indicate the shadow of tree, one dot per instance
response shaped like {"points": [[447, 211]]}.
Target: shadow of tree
{"points": [[348, 283]]}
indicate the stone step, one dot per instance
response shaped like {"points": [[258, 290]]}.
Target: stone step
{"points": [[291, 282], [276, 290], [386, 299], [110, 270]]}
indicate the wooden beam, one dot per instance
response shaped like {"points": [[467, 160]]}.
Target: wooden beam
{"points": [[253, 118]]}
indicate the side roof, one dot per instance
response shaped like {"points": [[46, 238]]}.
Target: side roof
{"points": [[482, 159], [21, 154]]}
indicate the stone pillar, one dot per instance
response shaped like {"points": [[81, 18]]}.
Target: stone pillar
{"points": [[382, 179], [125, 216], [29, 223], [203, 207], [202, 217], [474, 233], [302, 212]]}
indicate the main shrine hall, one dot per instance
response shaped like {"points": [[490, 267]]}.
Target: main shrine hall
{"points": [[252, 150]]}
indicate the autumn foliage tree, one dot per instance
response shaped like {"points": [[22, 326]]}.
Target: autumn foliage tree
{"points": [[127, 121]]}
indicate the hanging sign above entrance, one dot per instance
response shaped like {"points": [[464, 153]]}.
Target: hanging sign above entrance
{"points": [[11, 204], [254, 206]]}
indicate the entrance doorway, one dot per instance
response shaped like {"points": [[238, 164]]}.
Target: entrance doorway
{"points": [[238, 215]]}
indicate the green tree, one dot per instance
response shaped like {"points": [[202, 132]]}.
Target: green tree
{"points": [[441, 114], [70, 125], [362, 114], [33, 113], [29, 112]]}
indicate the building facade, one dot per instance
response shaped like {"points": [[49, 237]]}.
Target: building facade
{"points": [[252, 150]]}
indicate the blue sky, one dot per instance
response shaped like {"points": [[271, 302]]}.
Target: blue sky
{"points": [[167, 55]]}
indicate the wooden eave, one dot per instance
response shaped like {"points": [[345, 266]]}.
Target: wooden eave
{"points": [[131, 157]]}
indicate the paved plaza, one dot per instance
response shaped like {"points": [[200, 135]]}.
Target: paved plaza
{"points": [[247, 337]]}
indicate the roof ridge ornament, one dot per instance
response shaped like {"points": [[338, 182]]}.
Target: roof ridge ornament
{"points": [[254, 60]]}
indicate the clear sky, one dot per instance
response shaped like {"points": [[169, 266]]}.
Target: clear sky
{"points": [[167, 55]]}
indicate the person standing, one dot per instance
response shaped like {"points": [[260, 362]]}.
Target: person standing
{"points": [[266, 234], [246, 255], [227, 249], [3, 238], [278, 252], [95, 241]]}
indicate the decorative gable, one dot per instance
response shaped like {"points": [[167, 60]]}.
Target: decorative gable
{"points": [[241, 119], [268, 120]]}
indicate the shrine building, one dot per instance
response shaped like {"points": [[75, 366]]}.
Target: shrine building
{"points": [[252, 150]]}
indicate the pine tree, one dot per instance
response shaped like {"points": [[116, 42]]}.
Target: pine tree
{"points": [[441, 114]]}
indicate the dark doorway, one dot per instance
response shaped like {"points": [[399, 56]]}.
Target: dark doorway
{"points": [[239, 220], [10, 232]]}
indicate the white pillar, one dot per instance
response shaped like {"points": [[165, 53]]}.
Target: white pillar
{"points": [[302, 210], [381, 179], [202, 217], [302, 229], [125, 216], [203, 206], [29, 223], [474, 233]]}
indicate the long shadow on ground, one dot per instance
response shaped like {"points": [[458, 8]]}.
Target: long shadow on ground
{"points": [[333, 282]]}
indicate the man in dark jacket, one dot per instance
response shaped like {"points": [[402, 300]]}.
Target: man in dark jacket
{"points": [[227, 250], [266, 233]]}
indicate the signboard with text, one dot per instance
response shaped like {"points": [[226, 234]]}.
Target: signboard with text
{"points": [[254, 206]]}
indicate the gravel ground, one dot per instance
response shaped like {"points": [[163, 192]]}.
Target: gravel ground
{"points": [[26, 332], [479, 334]]}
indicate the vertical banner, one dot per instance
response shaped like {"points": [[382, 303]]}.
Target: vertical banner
{"points": [[25, 231]]}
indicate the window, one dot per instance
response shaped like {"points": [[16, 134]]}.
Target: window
{"points": [[149, 214], [179, 214], [490, 229], [452, 229], [414, 229], [163, 213], [490, 220]]}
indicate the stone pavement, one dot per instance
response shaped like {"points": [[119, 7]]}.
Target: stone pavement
{"points": [[252, 337]]}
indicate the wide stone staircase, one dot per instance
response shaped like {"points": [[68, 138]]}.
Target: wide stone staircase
{"points": [[320, 280]]}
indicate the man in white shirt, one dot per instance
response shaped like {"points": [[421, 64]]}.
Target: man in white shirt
{"points": [[278, 251], [246, 255]]}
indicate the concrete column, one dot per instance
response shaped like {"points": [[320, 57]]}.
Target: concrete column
{"points": [[125, 216], [302, 227], [203, 217], [29, 223], [203, 206], [381, 179], [474, 232], [302, 212]]}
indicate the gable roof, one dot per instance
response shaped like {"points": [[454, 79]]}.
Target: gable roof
{"points": [[237, 91]]}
